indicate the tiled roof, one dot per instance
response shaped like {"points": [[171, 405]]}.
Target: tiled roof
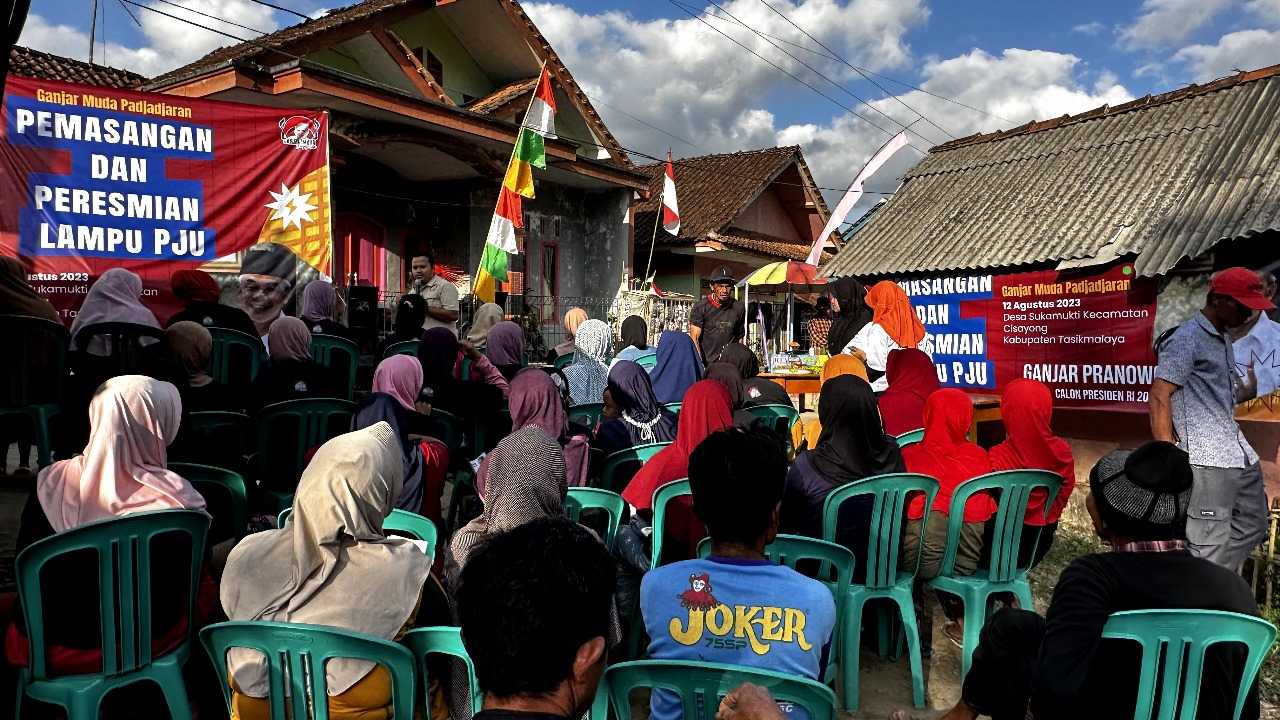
{"points": [[45, 66], [712, 190], [1163, 178], [503, 95], [763, 244]]}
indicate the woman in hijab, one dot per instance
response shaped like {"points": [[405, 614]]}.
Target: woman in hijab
{"points": [[707, 409], [572, 320], [489, 315], [1026, 407], [756, 390], [319, 301], [852, 446], [400, 377], [947, 455], [912, 379], [191, 347], [635, 340], [19, 298], [382, 408], [849, 310], [113, 298], [805, 434], [589, 374], [290, 374], [200, 295], [640, 419], [334, 565], [411, 312], [727, 375], [122, 470], [678, 366], [506, 348], [442, 358], [535, 401], [893, 325]]}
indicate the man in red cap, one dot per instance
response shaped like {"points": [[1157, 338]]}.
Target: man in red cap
{"points": [[1193, 399]]}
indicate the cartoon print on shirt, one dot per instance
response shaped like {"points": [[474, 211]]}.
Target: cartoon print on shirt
{"points": [[698, 596]]}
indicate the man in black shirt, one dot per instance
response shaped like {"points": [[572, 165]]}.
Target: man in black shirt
{"points": [[1060, 665], [717, 319], [535, 605]]}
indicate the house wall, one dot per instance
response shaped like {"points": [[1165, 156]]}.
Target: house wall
{"points": [[461, 73], [767, 215], [343, 62]]}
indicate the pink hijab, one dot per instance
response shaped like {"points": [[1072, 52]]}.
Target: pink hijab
{"points": [[122, 470], [399, 376]]}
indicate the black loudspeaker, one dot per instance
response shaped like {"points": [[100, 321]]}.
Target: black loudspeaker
{"points": [[362, 307]]}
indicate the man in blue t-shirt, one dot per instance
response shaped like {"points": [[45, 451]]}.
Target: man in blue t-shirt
{"points": [[736, 607]]}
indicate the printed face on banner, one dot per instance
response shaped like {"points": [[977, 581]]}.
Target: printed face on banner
{"points": [[1087, 335], [93, 178]]}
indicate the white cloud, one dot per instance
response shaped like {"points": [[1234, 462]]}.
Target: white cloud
{"points": [[1089, 28], [1266, 11], [170, 43], [1163, 23], [1242, 50]]}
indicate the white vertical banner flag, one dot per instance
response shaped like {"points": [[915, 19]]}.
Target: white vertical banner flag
{"points": [[854, 193]]}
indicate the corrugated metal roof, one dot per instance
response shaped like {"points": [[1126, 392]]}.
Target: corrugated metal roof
{"points": [[1162, 177]]}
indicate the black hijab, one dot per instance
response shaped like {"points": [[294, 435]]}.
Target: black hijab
{"points": [[635, 333], [853, 444], [645, 419], [741, 357], [380, 407], [854, 313], [727, 374]]}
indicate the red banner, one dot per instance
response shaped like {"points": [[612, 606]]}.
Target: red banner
{"points": [[94, 178], [1087, 335]]}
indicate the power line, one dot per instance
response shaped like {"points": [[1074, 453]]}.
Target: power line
{"points": [[786, 72], [213, 17], [581, 141], [646, 124], [282, 8], [868, 71], [866, 77]]}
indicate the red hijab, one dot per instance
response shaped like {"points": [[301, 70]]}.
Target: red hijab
{"points": [[947, 454], [1027, 409], [912, 379], [707, 408]]}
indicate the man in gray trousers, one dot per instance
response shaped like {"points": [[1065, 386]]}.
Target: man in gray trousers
{"points": [[1193, 401]]}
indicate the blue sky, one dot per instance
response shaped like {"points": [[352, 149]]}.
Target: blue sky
{"points": [[648, 59]]}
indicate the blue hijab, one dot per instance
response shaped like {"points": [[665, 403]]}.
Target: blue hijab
{"points": [[378, 407], [678, 366]]}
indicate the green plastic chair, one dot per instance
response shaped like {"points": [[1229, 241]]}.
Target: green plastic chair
{"points": [[585, 498], [31, 376], [612, 478], [448, 429], [123, 547], [781, 417], [399, 522], [648, 362], [661, 498], [488, 432], [441, 641], [565, 360], [1171, 635], [674, 407], [237, 356], [1003, 575], [911, 437], [295, 649], [213, 437], [586, 414], [219, 488], [286, 430], [404, 347], [339, 355], [885, 577], [701, 685]]}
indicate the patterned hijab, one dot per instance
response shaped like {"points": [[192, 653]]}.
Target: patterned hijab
{"points": [[589, 374], [526, 482], [332, 564]]}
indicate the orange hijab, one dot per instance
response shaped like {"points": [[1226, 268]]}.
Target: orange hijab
{"points": [[892, 311]]}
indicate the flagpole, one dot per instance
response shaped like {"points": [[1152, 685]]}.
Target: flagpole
{"points": [[657, 218]]}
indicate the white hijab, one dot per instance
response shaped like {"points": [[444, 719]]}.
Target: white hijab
{"points": [[123, 469], [332, 564]]}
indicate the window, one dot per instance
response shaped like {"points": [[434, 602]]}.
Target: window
{"points": [[435, 67]]}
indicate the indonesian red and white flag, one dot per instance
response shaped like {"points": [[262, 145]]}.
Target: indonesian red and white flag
{"points": [[670, 209]]}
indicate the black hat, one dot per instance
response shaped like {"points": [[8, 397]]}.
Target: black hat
{"points": [[722, 274], [1143, 494], [270, 259]]}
